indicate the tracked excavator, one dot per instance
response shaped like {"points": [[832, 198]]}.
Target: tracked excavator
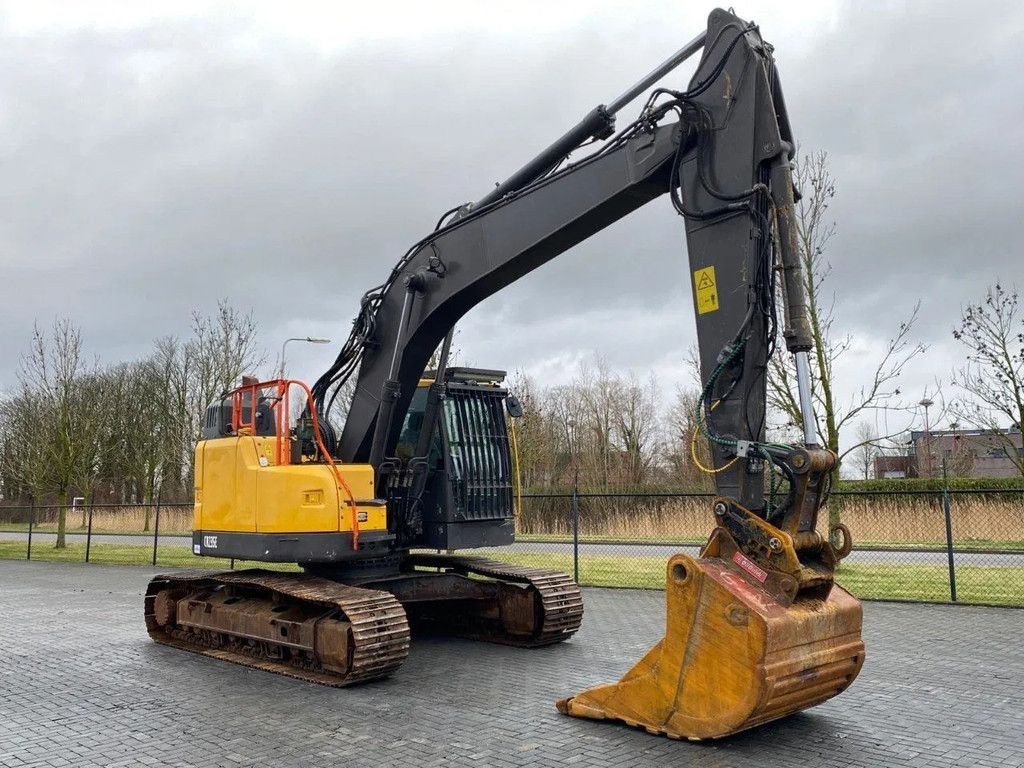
{"points": [[756, 628]]}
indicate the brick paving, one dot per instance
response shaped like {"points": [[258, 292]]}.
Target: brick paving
{"points": [[82, 685]]}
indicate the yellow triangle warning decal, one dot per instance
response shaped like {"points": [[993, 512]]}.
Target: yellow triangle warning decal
{"points": [[705, 290]]}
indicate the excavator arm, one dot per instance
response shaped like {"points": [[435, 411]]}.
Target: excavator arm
{"points": [[477, 256]]}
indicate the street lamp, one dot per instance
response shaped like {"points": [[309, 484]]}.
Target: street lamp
{"points": [[307, 339], [927, 403]]}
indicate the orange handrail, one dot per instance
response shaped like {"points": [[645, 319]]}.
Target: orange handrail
{"points": [[283, 427]]}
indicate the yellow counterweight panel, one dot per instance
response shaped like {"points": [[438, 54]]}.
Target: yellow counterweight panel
{"points": [[240, 488], [197, 472], [217, 508], [248, 453]]}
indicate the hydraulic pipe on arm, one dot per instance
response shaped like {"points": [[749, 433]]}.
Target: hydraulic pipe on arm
{"points": [[598, 124]]}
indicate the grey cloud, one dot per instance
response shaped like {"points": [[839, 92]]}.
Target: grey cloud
{"points": [[919, 106], [150, 171]]}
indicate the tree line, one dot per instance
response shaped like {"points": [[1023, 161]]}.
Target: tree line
{"points": [[605, 430], [121, 432]]}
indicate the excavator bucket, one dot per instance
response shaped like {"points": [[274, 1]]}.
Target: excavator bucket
{"points": [[732, 657]]}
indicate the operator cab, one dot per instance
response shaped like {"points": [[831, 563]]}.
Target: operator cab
{"points": [[468, 499]]}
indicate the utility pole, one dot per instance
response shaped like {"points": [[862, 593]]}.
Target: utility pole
{"points": [[927, 403]]}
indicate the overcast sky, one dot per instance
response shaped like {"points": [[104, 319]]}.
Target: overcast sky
{"points": [[283, 155]]}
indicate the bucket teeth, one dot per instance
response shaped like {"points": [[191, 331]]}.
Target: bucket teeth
{"points": [[732, 657]]}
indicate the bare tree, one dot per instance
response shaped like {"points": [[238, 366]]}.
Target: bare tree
{"points": [[222, 348], [603, 428], [67, 397], [535, 439], [815, 230], [23, 457], [637, 429], [992, 377], [599, 393], [192, 374], [563, 408], [683, 440], [963, 454], [135, 435], [171, 371], [867, 449]]}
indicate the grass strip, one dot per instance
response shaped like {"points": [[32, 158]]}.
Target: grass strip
{"points": [[997, 585]]}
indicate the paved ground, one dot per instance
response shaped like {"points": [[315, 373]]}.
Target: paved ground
{"points": [[662, 552], [81, 684]]}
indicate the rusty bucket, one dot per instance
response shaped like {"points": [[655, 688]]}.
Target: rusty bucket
{"points": [[733, 656]]}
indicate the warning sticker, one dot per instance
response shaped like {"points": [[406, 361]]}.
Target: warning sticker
{"points": [[750, 567], [705, 289]]}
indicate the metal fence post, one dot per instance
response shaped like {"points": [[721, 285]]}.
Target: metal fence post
{"points": [[88, 531], [575, 533], [31, 522], [156, 527], [949, 533]]}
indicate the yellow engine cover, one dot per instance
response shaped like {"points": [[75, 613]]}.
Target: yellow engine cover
{"points": [[732, 657], [240, 488]]}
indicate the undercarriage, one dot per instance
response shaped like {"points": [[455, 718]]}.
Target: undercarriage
{"points": [[333, 633]]}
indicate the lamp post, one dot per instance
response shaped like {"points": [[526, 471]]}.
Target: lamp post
{"points": [[927, 403], [307, 339]]}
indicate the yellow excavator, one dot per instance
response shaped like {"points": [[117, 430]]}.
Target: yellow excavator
{"points": [[755, 628]]}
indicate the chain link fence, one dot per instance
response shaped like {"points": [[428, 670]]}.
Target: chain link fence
{"points": [[948, 545], [158, 534], [945, 546]]}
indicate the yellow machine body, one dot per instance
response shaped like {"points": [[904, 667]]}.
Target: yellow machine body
{"points": [[240, 488], [733, 656], [262, 493]]}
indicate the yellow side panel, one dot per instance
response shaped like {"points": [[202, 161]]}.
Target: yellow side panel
{"points": [[360, 479], [239, 488], [247, 456], [300, 498], [220, 508], [303, 498], [197, 473]]}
